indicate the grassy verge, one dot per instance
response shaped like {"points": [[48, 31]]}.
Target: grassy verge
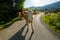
{"points": [[9, 23], [53, 21]]}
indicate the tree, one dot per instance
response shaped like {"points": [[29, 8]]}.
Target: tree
{"points": [[7, 11]]}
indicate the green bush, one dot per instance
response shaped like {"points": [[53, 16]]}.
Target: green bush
{"points": [[8, 12], [53, 20], [9, 23]]}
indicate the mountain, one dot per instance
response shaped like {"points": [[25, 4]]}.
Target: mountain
{"points": [[50, 7], [53, 6]]}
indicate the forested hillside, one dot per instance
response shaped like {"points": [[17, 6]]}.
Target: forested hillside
{"points": [[50, 7]]}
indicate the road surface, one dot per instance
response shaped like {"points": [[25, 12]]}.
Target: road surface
{"points": [[21, 32]]}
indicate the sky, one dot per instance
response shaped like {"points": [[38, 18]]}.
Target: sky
{"points": [[38, 3]]}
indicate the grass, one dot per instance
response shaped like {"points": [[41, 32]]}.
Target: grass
{"points": [[9, 23], [53, 21]]}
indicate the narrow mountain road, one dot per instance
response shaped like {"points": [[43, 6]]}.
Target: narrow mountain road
{"points": [[41, 32], [21, 33]]}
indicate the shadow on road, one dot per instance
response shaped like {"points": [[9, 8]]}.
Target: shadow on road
{"points": [[31, 36], [18, 35]]}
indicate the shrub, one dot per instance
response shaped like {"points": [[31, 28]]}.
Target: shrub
{"points": [[53, 20]]}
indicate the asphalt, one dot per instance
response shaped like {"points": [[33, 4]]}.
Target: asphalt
{"points": [[18, 31]]}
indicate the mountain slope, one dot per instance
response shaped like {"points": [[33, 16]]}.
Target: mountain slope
{"points": [[50, 7]]}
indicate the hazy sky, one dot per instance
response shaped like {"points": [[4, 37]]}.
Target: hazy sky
{"points": [[36, 3]]}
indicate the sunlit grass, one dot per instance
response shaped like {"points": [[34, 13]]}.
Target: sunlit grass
{"points": [[53, 21], [9, 23]]}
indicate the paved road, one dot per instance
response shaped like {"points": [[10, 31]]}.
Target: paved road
{"points": [[6, 33], [40, 31]]}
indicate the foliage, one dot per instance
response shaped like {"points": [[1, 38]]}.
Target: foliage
{"points": [[8, 12], [9, 23], [53, 20]]}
